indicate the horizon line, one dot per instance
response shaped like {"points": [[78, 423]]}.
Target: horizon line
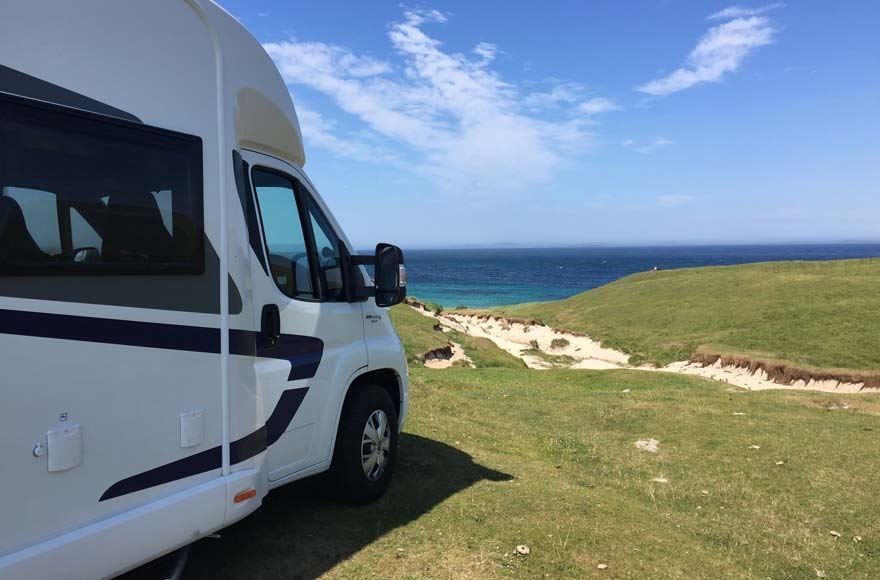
{"points": [[512, 246]]}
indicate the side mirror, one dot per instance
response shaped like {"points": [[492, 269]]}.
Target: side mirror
{"points": [[390, 275], [86, 255]]}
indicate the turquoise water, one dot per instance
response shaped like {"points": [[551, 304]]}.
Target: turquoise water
{"points": [[480, 278]]}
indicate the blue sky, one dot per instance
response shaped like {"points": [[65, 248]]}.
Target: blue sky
{"points": [[453, 124]]}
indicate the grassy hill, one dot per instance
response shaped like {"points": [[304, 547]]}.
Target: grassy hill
{"points": [[813, 314]]}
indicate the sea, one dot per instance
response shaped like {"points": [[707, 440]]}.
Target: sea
{"points": [[492, 277]]}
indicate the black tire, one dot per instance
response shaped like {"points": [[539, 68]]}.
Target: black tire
{"points": [[351, 483]]}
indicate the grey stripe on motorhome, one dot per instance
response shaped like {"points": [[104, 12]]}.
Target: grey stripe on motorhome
{"points": [[197, 293], [18, 83]]}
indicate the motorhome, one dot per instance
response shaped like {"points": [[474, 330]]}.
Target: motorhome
{"points": [[183, 324]]}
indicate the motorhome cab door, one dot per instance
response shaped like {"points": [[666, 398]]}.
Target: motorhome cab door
{"points": [[321, 333]]}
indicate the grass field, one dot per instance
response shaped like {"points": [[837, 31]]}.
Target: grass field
{"points": [[494, 458], [812, 314], [491, 458]]}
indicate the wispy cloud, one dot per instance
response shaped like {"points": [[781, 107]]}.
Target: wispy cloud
{"points": [[323, 133], [451, 112], [720, 51], [673, 199], [737, 11], [486, 50], [560, 93], [598, 105], [647, 146]]}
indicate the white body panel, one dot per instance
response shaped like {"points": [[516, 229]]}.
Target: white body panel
{"points": [[165, 436]]}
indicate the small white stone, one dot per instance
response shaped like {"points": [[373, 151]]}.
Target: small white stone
{"points": [[835, 534], [602, 566], [754, 446], [522, 550], [649, 445], [660, 480]]}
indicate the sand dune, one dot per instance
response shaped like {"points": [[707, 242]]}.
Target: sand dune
{"points": [[542, 347]]}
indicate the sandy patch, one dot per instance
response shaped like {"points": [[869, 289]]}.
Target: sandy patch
{"points": [[757, 381], [516, 338], [443, 358]]}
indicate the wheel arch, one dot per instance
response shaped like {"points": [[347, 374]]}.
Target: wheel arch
{"points": [[386, 378]]}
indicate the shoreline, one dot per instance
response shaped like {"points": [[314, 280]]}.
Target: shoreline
{"points": [[542, 347]]}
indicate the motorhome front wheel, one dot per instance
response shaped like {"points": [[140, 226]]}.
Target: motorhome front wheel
{"points": [[366, 445]]}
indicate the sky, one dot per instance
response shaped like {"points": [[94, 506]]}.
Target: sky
{"points": [[484, 124]]}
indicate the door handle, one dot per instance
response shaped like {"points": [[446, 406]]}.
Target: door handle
{"points": [[270, 326]]}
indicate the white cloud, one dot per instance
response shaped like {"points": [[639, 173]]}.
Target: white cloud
{"points": [[320, 132], [673, 199], [486, 50], [561, 93], [647, 146], [598, 105], [721, 50], [737, 11], [456, 116]]}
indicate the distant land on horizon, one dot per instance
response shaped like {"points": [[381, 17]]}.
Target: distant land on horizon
{"points": [[660, 244]]}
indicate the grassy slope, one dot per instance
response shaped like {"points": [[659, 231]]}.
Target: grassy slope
{"points": [[418, 335], [493, 458], [821, 314]]}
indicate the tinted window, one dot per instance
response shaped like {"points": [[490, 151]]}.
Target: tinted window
{"points": [[81, 193], [329, 256], [283, 231]]}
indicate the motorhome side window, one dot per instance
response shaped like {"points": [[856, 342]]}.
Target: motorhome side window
{"points": [[84, 194], [283, 231]]}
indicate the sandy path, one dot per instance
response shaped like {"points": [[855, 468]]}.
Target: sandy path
{"points": [[565, 350], [517, 339]]}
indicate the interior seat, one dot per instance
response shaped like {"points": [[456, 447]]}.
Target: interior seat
{"points": [[135, 231], [16, 242]]}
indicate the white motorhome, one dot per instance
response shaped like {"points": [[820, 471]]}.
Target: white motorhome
{"points": [[182, 325]]}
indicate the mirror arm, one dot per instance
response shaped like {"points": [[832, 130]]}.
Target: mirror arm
{"points": [[366, 292], [352, 261], [363, 260]]}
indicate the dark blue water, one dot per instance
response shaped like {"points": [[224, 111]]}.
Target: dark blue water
{"points": [[480, 278]]}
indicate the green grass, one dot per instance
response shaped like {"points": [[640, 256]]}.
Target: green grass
{"points": [[418, 336], [417, 333], [493, 458], [815, 314], [561, 360], [496, 457]]}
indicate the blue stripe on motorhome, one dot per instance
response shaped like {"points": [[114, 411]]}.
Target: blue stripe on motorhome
{"points": [[303, 352], [239, 450]]}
